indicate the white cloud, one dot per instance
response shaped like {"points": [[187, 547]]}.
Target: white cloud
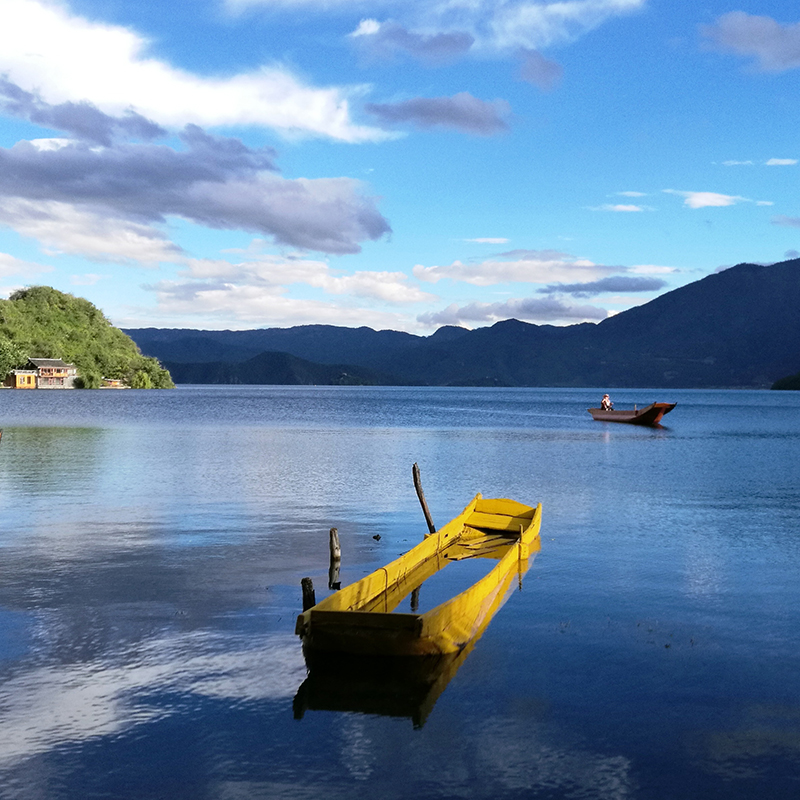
{"points": [[47, 50], [65, 228], [539, 24], [631, 194], [11, 265], [618, 207], [234, 305], [488, 240], [522, 266], [707, 199], [275, 272], [493, 26], [367, 27], [781, 162], [737, 163]]}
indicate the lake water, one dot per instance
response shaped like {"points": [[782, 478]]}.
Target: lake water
{"points": [[152, 546]]}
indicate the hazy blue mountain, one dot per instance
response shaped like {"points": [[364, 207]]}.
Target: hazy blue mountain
{"points": [[736, 328], [276, 369], [324, 344]]}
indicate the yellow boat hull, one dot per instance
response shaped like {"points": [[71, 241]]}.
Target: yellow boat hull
{"points": [[359, 619]]}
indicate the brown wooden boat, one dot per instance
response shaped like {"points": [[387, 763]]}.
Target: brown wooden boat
{"points": [[649, 415]]}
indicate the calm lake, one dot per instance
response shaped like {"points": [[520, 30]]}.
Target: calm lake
{"points": [[152, 546]]}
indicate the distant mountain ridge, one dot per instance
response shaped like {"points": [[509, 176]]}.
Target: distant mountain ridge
{"points": [[736, 328], [276, 369]]}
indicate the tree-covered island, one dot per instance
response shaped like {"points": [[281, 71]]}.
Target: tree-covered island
{"points": [[41, 322]]}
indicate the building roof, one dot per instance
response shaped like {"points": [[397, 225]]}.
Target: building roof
{"points": [[49, 362]]}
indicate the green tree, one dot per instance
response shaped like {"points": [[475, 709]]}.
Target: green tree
{"points": [[41, 322], [141, 380], [12, 356]]}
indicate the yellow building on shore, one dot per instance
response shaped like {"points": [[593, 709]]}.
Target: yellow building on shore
{"points": [[43, 373]]}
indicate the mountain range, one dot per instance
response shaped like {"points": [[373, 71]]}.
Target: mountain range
{"points": [[737, 328]]}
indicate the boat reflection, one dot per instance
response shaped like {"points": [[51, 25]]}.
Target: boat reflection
{"points": [[405, 685]]}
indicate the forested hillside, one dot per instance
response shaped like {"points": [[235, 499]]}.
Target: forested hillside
{"points": [[41, 322]]}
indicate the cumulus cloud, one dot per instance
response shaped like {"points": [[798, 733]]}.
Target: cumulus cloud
{"points": [[461, 112], [534, 266], [532, 309], [707, 199], [11, 265], [214, 181], [65, 228], [386, 40], [68, 61], [615, 283], [774, 46], [275, 272], [229, 302]]}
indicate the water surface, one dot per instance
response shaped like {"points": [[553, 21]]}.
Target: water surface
{"points": [[152, 546]]}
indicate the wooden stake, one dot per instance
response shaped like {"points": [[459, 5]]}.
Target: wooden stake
{"points": [[309, 599], [336, 549], [421, 496], [336, 560]]}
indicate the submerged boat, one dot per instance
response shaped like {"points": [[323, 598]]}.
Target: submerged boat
{"points": [[649, 415], [360, 619]]}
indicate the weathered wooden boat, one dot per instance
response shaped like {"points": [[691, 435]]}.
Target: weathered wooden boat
{"points": [[649, 415], [360, 619]]}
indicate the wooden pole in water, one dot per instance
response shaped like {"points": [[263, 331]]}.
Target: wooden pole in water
{"points": [[309, 599], [336, 560], [336, 549], [421, 496]]}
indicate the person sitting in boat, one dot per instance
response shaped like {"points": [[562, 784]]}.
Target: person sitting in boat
{"points": [[606, 403]]}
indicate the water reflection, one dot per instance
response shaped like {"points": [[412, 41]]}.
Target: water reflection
{"points": [[49, 706]]}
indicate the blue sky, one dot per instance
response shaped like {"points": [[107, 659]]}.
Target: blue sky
{"points": [[404, 165]]}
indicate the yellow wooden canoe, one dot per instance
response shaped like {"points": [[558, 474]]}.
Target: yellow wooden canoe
{"points": [[360, 618]]}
